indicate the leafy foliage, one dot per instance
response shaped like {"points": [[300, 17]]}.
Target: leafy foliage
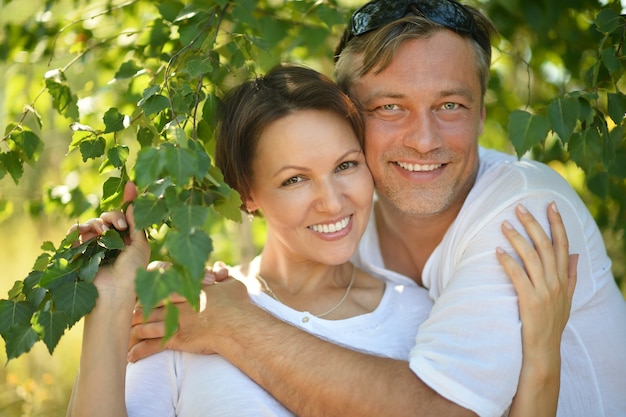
{"points": [[167, 80], [57, 293], [137, 82]]}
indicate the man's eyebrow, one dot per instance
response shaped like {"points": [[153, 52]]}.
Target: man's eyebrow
{"points": [[382, 94], [461, 91]]}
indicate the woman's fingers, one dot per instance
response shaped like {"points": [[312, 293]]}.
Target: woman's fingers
{"points": [[560, 244], [533, 263], [548, 275], [515, 271], [572, 275]]}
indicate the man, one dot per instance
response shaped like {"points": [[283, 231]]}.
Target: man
{"points": [[419, 71]]}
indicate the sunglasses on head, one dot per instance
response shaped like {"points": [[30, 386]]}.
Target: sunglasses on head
{"points": [[377, 13]]}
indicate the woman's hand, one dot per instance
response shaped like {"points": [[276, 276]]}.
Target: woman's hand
{"points": [[545, 284], [116, 281], [545, 287]]}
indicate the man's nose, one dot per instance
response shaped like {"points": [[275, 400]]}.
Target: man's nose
{"points": [[422, 133]]}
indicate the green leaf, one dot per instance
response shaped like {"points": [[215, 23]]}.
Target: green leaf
{"points": [[29, 144], [154, 104], [230, 207], [188, 287], [113, 120], [76, 299], [154, 286], [150, 163], [149, 210], [54, 325], [171, 320], [617, 107], [16, 291], [33, 278], [209, 109], [181, 164], [607, 21], [20, 340], [563, 115], [169, 9], [12, 162], [14, 314], [90, 268], [586, 149], [611, 60], [113, 192], [187, 217], [127, 70], [111, 239], [36, 296], [68, 241], [197, 67], [92, 148], [191, 250], [599, 184], [63, 100], [118, 155], [526, 130], [145, 136], [60, 270]]}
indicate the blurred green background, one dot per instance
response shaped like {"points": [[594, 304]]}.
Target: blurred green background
{"points": [[545, 51]]}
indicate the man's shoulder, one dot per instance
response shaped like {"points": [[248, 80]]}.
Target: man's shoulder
{"points": [[514, 174]]}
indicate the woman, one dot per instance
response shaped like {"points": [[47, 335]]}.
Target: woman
{"points": [[290, 144]]}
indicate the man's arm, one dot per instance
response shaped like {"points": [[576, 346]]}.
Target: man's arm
{"points": [[308, 375]]}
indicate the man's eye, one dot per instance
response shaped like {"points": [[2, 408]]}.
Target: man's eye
{"points": [[450, 106], [389, 106]]}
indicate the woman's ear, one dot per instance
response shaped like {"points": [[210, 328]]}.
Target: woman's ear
{"points": [[250, 204]]}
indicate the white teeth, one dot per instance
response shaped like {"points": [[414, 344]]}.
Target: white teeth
{"points": [[417, 167], [330, 228]]}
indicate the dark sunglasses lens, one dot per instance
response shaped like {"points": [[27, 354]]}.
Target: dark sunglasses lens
{"points": [[447, 13], [374, 15]]}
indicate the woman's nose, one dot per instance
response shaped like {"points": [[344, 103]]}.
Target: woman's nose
{"points": [[329, 197]]}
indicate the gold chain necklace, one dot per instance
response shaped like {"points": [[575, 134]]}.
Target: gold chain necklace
{"points": [[269, 292]]}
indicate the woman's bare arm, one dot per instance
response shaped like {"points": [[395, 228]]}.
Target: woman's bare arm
{"points": [[99, 387]]}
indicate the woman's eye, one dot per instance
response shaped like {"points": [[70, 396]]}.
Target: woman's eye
{"points": [[346, 165], [292, 180]]}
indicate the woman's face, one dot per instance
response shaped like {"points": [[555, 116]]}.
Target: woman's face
{"points": [[311, 183]]}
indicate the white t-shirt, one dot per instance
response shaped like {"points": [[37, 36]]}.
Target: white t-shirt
{"points": [[185, 385], [469, 349]]}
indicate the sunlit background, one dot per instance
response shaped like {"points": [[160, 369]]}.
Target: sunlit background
{"points": [[38, 384]]}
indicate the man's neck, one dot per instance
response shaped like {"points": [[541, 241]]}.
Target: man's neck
{"points": [[407, 241]]}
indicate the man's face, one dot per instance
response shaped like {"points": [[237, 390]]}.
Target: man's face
{"points": [[423, 116]]}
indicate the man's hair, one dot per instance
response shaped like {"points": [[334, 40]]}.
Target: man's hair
{"points": [[373, 51], [248, 109]]}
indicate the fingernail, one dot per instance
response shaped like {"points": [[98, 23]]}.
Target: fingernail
{"points": [[500, 250], [208, 279], [522, 209], [507, 225], [121, 223], [554, 207]]}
